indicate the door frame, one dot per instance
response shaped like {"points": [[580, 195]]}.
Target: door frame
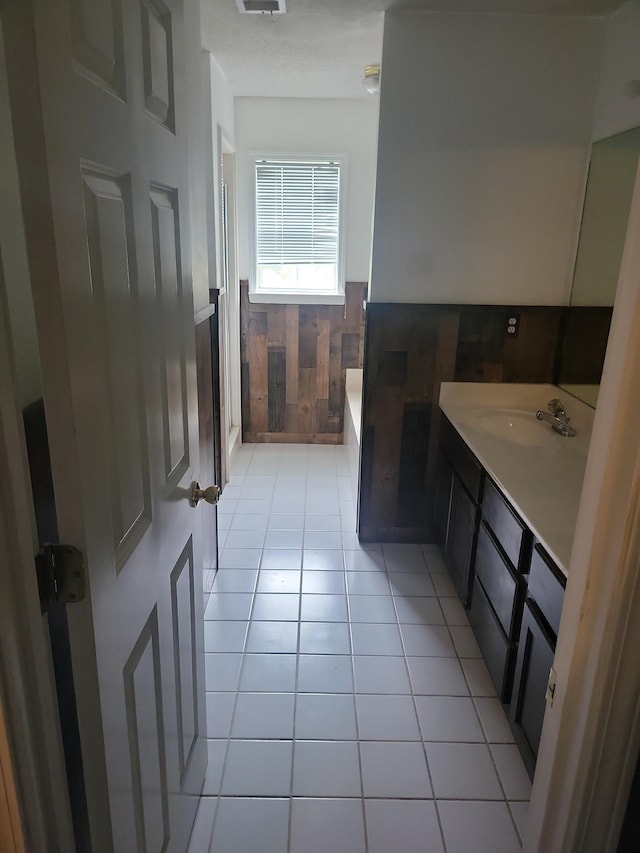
{"points": [[591, 734], [233, 395], [32, 754], [11, 833], [26, 672]]}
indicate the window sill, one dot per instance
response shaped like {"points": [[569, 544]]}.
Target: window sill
{"points": [[298, 298]]}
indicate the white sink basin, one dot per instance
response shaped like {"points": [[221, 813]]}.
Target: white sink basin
{"points": [[539, 471], [514, 425]]}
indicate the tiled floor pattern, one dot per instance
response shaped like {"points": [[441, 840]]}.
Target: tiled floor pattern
{"points": [[349, 708]]}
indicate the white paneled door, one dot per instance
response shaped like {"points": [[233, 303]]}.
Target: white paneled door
{"points": [[98, 95]]}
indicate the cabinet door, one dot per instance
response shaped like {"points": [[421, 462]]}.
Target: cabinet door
{"points": [[535, 657], [462, 540], [442, 504]]}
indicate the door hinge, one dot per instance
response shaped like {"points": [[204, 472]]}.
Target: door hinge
{"points": [[61, 579]]}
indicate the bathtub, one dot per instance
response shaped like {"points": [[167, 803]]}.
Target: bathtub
{"points": [[352, 425]]}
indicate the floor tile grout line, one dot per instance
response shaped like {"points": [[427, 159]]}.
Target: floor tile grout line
{"points": [[357, 720], [422, 740], [513, 820], [355, 797], [295, 712], [394, 599], [215, 815], [497, 772]]}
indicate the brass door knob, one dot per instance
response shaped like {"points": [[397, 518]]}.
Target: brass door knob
{"points": [[211, 494]]}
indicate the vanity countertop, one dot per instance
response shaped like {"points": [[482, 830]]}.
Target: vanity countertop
{"points": [[539, 471]]}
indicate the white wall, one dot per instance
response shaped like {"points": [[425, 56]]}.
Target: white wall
{"points": [[221, 125], [222, 99], [313, 126], [616, 109], [13, 258], [210, 106], [197, 110], [485, 128]]}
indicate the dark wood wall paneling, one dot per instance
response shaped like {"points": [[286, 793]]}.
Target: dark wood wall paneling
{"points": [[293, 363], [585, 332], [409, 351]]}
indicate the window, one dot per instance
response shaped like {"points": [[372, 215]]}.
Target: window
{"points": [[298, 239]]}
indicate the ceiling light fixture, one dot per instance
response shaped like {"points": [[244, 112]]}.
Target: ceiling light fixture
{"points": [[371, 79]]}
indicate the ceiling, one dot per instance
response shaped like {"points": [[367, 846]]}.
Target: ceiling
{"points": [[318, 48]]}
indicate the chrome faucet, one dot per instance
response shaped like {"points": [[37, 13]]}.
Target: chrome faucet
{"points": [[557, 417]]}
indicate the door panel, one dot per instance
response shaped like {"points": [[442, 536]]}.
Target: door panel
{"points": [[168, 280], [145, 723], [157, 53], [184, 617], [105, 133], [111, 245], [98, 47]]}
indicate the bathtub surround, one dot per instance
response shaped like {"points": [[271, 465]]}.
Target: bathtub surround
{"points": [[353, 426], [294, 360]]}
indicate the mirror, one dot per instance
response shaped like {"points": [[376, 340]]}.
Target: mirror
{"points": [[609, 190]]}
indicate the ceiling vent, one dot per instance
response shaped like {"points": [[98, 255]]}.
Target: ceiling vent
{"points": [[261, 7]]}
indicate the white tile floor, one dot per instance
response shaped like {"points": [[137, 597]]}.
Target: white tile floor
{"points": [[349, 710]]}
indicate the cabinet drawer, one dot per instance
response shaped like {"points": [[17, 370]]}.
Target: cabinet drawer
{"points": [[461, 458], [546, 587], [511, 533], [501, 584], [497, 651]]}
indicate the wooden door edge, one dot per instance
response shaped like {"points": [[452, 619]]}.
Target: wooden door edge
{"points": [[591, 735], [32, 722], [11, 832]]}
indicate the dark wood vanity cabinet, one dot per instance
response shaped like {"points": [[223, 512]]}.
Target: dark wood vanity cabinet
{"points": [[442, 504], [536, 650], [513, 589], [456, 512], [502, 560], [463, 527]]}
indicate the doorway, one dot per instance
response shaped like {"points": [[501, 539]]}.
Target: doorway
{"points": [[230, 296]]}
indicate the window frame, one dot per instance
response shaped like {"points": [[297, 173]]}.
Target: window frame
{"points": [[334, 297]]}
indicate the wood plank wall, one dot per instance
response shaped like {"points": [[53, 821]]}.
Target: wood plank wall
{"points": [[585, 334], [293, 362], [409, 351]]}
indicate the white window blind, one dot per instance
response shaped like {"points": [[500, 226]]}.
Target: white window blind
{"points": [[297, 225]]}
